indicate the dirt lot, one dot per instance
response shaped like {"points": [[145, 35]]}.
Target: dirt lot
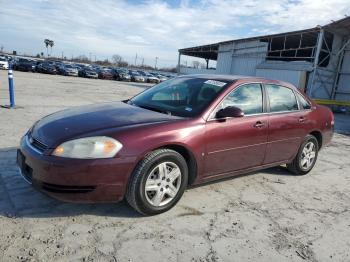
{"points": [[265, 216]]}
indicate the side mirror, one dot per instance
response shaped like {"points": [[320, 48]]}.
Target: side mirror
{"points": [[230, 111]]}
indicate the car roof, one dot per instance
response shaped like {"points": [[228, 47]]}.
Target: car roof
{"points": [[232, 78]]}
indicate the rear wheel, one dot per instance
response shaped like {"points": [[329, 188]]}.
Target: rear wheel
{"points": [[306, 158], [158, 182]]}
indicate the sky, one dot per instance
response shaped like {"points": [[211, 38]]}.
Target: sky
{"points": [[151, 28]]}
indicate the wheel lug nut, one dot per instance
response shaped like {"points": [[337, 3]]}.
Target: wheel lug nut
{"points": [[158, 184], [168, 180]]}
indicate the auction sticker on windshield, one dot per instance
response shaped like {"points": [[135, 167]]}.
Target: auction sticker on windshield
{"points": [[215, 83]]}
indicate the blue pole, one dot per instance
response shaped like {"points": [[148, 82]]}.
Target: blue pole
{"points": [[12, 93]]}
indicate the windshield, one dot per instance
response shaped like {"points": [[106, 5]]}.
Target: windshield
{"points": [[183, 96]]}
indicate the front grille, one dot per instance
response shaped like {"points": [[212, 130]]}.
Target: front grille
{"points": [[37, 144]]}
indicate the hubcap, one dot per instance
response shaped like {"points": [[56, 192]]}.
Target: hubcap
{"points": [[308, 156], [163, 183]]}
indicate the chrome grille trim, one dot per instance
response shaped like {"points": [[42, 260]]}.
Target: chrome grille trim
{"points": [[36, 145]]}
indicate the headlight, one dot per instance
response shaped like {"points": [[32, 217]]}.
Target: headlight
{"points": [[89, 148]]}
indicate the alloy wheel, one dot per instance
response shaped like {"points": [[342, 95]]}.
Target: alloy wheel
{"points": [[163, 184], [308, 156]]}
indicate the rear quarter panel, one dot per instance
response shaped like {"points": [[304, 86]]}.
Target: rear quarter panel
{"points": [[324, 122]]}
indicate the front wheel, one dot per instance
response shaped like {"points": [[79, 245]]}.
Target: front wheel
{"points": [[158, 182], [306, 158]]}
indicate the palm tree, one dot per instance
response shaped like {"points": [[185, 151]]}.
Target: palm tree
{"points": [[51, 44], [47, 43]]}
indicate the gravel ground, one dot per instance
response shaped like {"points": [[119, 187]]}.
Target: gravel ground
{"points": [[269, 215]]}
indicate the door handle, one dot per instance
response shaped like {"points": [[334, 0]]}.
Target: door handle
{"points": [[259, 124], [301, 119]]}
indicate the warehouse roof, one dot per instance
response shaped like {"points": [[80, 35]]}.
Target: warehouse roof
{"points": [[210, 51]]}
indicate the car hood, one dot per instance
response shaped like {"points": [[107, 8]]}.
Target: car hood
{"points": [[80, 121]]}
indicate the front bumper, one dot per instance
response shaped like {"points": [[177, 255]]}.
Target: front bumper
{"points": [[155, 81], [91, 75], [71, 73], [51, 72], [109, 77], [75, 180], [124, 78]]}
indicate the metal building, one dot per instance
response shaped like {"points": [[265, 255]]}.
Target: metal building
{"points": [[316, 60]]}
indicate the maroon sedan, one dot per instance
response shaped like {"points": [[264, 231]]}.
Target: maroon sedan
{"points": [[106, 73], [184, 131]]}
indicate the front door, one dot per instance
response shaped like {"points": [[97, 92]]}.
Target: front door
{"points": [[237, 143]]}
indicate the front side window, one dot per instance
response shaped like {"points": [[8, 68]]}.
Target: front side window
{"points": [[183, 96], [248, 98], [282, 99]]}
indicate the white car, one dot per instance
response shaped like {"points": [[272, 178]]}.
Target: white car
{"points": [[4, 64]]}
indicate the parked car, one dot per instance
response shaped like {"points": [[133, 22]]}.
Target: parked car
{"points": [[185, 131], [58, 65], [161, 78], [149, 78], [106, 73], [121, 75], [25, 65], [4, 64], [46, 68], [88, 72], [69, 70], [136, 77]]}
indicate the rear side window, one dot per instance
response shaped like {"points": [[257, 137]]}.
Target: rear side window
{"points": [[281, 98], [248, 98], [303, 102]]}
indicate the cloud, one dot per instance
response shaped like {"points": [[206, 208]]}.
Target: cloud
{"points": [[152, 28]]}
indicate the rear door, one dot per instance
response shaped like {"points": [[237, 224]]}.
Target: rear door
{"points": [[237, 143], [286, 124]]}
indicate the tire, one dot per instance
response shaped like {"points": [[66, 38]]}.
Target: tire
{"points": [[298, 166], [143, 201]]}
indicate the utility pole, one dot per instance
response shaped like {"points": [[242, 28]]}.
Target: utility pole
{"points": [[135, 59], [62, 55], [95, 58], [155, 65], [143, 60], [90, 57]]}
